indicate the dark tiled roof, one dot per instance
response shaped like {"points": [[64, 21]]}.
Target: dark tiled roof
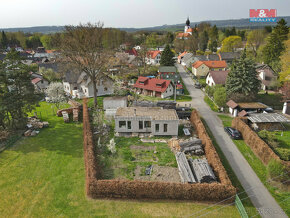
{"points": [[219, 77], [232, 104], [167, 69], [229, 55]]}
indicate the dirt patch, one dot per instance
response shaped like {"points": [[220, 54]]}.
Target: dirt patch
{"points": [[159, 173], [144, 148]]}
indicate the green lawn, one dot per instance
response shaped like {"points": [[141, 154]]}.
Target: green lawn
{"points": [[271, 99], [210, 103], [260, 169], [44, 176], [251, 210]]}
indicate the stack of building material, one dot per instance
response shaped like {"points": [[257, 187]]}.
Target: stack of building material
{"points": [[75, 115], [193, 146], [65, 116], [185, 172], [166, 104], [202, 170]]}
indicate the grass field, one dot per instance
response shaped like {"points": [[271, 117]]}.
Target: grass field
{"points": [[44, 176], [259, 168], [210, 103]]}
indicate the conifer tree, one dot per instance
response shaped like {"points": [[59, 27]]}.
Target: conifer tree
{"points": [[167, 57], [275, 45], [242, 82]]}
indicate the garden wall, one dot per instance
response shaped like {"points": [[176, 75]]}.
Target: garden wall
{"points": [[258, 146], [98, 188]]}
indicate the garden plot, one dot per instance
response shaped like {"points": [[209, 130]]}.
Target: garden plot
{"points": [[133, 156]]}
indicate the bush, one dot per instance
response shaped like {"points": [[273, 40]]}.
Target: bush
{"points": [[277, 171], [284, 153], [210, 103], [269, 138], [220, 96], [209, 90], [202, 82]]}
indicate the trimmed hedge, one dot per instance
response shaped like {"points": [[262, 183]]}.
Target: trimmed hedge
{"points": [[258, 146], [98, 188]]}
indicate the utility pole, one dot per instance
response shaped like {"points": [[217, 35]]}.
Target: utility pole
{"points": [[174, 91]]}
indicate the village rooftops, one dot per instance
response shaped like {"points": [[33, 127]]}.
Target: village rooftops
{"points": [[155, 113], [268, 118]]}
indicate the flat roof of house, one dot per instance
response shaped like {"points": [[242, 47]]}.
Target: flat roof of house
{"points": [[268, 118], [167, 69], [114, 98], [156, 113]]}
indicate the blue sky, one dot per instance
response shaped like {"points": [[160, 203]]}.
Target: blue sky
{"points": [[128, 13]]}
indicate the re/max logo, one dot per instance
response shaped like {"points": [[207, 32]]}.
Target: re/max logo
{"points": [[263, 15]]}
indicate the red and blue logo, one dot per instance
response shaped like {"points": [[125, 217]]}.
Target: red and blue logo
{"points": [[263, 15]]}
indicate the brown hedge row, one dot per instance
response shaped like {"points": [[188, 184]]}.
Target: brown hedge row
{"points": [[210, 151], [213, 192], [97, 188], [258, 146]]}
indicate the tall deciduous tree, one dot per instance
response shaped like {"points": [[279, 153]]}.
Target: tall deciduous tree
{"points": [[254, 40], [230, 43], [242, 82], [82, 48], [167, 57], [275, 45], [203, 40], [285, 62]]}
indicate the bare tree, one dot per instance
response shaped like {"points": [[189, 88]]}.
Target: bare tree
{"points": [[82, 48], [142, 54]]}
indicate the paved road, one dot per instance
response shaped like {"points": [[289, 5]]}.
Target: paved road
{"points": [[260, 196]]}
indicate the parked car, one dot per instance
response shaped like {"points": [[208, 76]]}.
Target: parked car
{"points": [[197, 85], [268, 110], [233, 133]]}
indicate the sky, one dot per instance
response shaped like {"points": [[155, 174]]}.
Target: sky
{"points": [[128, 13]]}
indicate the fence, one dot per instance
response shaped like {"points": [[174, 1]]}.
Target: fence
{"points": [[240, 207]]}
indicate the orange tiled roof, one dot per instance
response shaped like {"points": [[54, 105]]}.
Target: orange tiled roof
{"points": [[182, 54], [210, 64], [180, 35], [153, 54]]}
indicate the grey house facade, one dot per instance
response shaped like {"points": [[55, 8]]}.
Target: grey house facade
{"points": [[134, 121]]}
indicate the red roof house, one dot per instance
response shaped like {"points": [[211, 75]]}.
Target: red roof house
{"points": [[154, 87], [201, 68]]}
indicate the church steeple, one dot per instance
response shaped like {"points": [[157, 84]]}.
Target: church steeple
{"points": [[187, 22]]}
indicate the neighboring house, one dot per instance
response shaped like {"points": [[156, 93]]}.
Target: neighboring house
{"points": [[153, 57], [267, 121], [201, 68], [267, 75], [217, 78], [111, 104], [169, 73], [187, 60], [82, 86], [229, 57], [154, 87], [85, 84], [40, 84], [134, 121], [115, 102], [286, 107], [245, 108], [180, 57]]}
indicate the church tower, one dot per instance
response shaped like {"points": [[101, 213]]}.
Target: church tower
{"points": [[187, 25]]}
